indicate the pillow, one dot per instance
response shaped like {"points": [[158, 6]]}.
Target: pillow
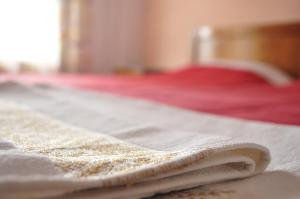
{"points": [[264, 70]]}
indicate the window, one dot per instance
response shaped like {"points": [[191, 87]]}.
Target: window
{"points": [[29, 35]]}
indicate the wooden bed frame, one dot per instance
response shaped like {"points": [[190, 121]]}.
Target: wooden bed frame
{"points": [[278, 45]]}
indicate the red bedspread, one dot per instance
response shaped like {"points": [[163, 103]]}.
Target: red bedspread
{"points": [[213, 90]]}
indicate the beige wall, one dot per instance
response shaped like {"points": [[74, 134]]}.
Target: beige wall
{"points": [[170, 23]]}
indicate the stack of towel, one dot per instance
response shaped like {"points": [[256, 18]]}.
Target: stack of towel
{"points": [[43, 157]]}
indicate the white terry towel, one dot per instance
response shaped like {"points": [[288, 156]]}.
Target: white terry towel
{"points": [[42, 157]]}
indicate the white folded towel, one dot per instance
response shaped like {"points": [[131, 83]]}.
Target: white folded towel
{"points": [[42, 157]]}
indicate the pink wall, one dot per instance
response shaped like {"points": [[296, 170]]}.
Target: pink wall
{"points": [[170, 23]]}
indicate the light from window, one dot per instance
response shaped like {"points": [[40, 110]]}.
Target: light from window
{"points": [[30, 34]]}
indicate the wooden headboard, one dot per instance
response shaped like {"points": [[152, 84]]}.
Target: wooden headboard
{"points": [[278, 45]]}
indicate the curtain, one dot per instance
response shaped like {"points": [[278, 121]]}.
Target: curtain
{"points": [[102, 35]]}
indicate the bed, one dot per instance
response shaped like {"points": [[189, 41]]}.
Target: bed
{"points": [[197, 108], [243, 72], [234, 93]]}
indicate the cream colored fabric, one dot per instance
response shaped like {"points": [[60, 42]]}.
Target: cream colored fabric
{"points": [[73, 159]]}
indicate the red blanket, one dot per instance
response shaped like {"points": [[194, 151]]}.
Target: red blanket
{"points": [[214, 90]]}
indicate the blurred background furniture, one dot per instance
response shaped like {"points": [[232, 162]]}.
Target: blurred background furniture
{"points": [[278, 45]]}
